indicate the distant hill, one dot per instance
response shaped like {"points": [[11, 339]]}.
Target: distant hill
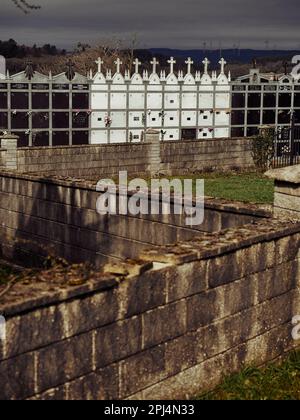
{"points": [[242, 56]]}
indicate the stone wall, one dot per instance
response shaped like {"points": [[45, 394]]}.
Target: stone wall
{"points": [[207, 308], [219, 154], [42, 216], [81, 161], [287, 191], [176, 157]]}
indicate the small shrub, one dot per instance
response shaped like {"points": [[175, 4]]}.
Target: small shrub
{"points": [[263, 149]]}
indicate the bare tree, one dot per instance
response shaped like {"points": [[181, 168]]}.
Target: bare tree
{"points": [[25, 6]]}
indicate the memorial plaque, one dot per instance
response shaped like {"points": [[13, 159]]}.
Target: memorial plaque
{"points": [[80, 87], [80, 101], [238, 88], [19, 120], [40, 120], [254, 100], [58, 86], [3, 121], [60, 138], [40, 100], [19, 86], [40, 86], [3, 100], [254, 88], [285, 88], [19, 100], [40, 138], [60, 120], [80, 137], [238, 100], [270, 100], [60, 101], [80, 120], [270, 88]]}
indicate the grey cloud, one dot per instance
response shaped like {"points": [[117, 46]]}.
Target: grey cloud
{"points": [[157, 23]]}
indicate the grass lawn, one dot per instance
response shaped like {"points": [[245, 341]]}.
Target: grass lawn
{"points": [[274, 382], [251, 187], [247, 187]]}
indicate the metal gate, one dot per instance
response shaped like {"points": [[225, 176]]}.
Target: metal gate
{"points": [[286, 147]]}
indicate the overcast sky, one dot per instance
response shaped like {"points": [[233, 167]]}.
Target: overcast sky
{"points": [[156, 23]]}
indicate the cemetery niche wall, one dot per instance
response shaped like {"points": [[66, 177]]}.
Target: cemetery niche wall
{"points": [[263, 99], [117, 107], [46, 110]]}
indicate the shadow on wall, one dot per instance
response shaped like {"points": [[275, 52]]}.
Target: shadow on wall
{"points": [[42, 217]]}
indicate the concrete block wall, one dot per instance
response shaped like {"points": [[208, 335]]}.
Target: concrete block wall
{"points": [[218, 154], [152, 157], [287, 191], [42, 216], [169, 333]]}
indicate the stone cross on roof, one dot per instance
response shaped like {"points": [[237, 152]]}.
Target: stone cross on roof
{"points": [[99, 63], [154, 63], [222, 63], [189, 63], [118, 63], [29, 72], [206, 63], [172, 62], [70, 72], [137, 64]]}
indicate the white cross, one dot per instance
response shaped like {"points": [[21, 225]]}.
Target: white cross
{"points": [[189, 63], [99, 62], [222, 63], [171, 62], [154, 63], [137, 64], [118, 63], [206, 63]]}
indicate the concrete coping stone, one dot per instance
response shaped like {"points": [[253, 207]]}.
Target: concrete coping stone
{"points": [[201, 247], [209, 245], [288, 174], [35, 298]]}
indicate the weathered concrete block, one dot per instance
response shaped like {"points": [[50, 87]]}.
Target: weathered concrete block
{"points": [[100, 385], [157, 327], [118, 341], [59, 363], [142, 293], [186, 280], [143, 370], [17, 377], [33, 330], [95, 311]]}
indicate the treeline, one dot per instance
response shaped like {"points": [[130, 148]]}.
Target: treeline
{"points": [[11, 49]]}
